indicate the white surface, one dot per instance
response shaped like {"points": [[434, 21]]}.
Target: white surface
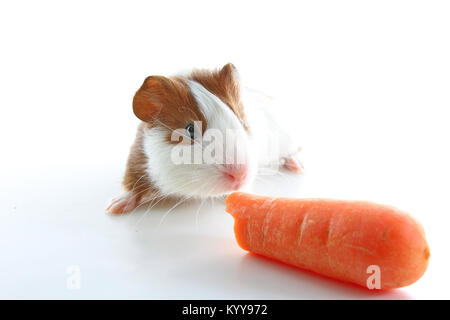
{"points": [[366, 85]]}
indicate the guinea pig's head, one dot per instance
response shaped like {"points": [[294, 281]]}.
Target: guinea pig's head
{"points": [[195, 137]]}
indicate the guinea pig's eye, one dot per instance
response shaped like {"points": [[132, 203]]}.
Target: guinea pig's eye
{"points": [[190, 130]]}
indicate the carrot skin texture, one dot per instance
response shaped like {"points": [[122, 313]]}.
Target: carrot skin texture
{"points": [[336, 238]]}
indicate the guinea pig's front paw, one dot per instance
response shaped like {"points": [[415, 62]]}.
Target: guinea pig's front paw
{"points": [[125, 203], [292, 163]]}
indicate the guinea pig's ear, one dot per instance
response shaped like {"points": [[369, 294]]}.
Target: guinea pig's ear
{"points": [[147, 100], [229, 73]]}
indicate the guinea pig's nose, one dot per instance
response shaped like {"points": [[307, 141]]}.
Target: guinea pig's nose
{"points": [[235, 172]]}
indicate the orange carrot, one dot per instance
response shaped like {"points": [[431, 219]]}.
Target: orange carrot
{"points": [[346, 240]]}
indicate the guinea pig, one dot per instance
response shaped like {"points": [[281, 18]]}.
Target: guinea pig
{"points": [[201, 135]]}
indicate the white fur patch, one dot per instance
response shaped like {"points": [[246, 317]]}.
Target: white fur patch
{"points": [[217, 114], [220, 117]]}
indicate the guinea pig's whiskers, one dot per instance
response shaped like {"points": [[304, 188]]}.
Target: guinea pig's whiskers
{"points": [[160, 198], [173, 207], [197, 215], [134, 185], [155, 196], [136, 194]]}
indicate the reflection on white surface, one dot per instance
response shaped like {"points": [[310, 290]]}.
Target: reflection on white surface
{"points": [[56, 220]]}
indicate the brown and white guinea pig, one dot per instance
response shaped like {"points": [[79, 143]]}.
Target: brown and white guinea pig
{"points": [[192, 105]]}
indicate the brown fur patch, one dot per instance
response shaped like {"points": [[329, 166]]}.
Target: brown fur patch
{"points": [[225, 86], [136, 179], [167, 102]]}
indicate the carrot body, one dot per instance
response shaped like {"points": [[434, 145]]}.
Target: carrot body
{"points": [[339, 239]]}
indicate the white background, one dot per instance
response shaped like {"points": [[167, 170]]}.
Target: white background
{"points": [[365, 85]]}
